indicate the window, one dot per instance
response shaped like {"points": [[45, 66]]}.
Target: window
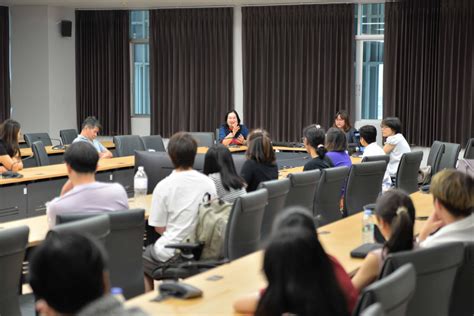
{"points": [[369, 60], [140, 61]]}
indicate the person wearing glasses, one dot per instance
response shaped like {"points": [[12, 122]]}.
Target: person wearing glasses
{"points": [[395, 145]]}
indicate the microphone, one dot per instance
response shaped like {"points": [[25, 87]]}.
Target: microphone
{"points": [[60, 146]]}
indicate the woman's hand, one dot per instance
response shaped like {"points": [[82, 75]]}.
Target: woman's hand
{"points": [[241, 139], [431, 225], [235, 129]]}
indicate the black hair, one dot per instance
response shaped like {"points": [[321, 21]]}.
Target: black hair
{"points": [[368, 133], [315, 136], [82, 157], [345, 116], [393, 123], [91, 122], [219, 159], [67, 271], [9, 134], [300, 275], [396, 208], [260, 147], [182, 149], [336, 140], [236, 115]]}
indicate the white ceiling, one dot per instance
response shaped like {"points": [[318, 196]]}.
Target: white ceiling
{"points": [[125, 4]]}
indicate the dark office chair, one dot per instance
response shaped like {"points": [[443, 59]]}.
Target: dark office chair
{"points": [[393, 292], [30, 138], [328, 195], [436, 269], [303, 189], [204, 139], [239, 161], [462, 297], [434, 157], [373, 310], [450, 156], [217, 135], [97, 227], [154, 142], [40, 154], [407, 173], [13, 244], [364, 185], [277, 192], [385, 158], [126, 145], [469, 152], [68, 136], [125, 263]]}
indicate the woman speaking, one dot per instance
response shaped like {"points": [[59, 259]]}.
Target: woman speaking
{"points": [[232, 132]]}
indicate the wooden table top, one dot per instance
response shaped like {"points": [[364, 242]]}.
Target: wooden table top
{"points": [[285, 172], [26, 152], [59, 170]]}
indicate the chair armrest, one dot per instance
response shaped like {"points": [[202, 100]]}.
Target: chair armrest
{"points": [[203, 264], [185, 247]]}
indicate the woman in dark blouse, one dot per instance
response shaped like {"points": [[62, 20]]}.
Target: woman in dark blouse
{"points": [[261, 162], [341, 121], [10, 157], [232, 132], [313, 140]]}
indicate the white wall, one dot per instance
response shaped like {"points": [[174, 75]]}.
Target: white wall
{"points": [[43, 70], [238, 78], [141, 126]]}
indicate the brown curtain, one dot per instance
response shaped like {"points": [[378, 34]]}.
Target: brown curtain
{"points": [[428, 69], [4, 64], [103, 69], [191, 74], [298, 66]]}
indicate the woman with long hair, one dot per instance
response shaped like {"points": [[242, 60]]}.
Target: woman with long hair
{"points": [[395, 217], [336, 145], [232, 132], [219, 166], [313, 140], [341, 121], [10, 156]]}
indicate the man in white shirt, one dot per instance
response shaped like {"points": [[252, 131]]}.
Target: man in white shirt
{"points": [[82, 193], [368, 139], [175, 203], [90, 129], [395, 145], [452, 219]]}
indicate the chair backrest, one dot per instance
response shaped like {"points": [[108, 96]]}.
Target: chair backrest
{"points": [[154, 142], [469, 151], [277, 192], [68, 136], [217, 135], [125, 263], [462, 297], [204, 139], [40, 154], [393, 292], [407, 174], [157, 166], [303, 189], [13, 243], [242, 235], [435, 268], [97, 227], [385, 158], [126, 145], [450, 156], [328, 195], [434, 157], [373, 310], [364, 185], [30, 138], [239, 161]]}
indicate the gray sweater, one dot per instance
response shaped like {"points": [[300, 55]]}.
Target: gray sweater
{"points": [[108, 305]]}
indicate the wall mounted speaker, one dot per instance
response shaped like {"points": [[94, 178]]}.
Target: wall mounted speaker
{"points": [[66, 28]]}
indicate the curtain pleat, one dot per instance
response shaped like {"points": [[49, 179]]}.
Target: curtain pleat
{"points": [[4, 64]]}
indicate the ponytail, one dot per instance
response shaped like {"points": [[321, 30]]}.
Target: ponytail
{"points": [[402, 232], [321, 151]]}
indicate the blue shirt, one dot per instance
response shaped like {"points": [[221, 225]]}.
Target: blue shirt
{"points": [[224, 131], [97, 145]]}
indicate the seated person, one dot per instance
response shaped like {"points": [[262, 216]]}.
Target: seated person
{"points": [[395, 145], [302, 278], [68, 275], [90, 128], [368, 139], [313, 140], [452, 219], [82, 193], [341, 121], [232, 132], [175, 203], [10, 156], [261, 162], [219, 166], [336, 145], [395, 217]]}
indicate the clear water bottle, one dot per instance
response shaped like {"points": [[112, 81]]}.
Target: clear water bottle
{"points": [[140, 185], [368, 227], [117, 292]]}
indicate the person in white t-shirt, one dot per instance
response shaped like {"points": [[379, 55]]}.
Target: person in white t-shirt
{"points": [[395, 145], [452, 219], [368, 139], [175, 203]]}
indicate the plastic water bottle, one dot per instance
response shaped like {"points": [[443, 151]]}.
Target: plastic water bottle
{"points": [[117, 292], [367, 227], [140, 185]]}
